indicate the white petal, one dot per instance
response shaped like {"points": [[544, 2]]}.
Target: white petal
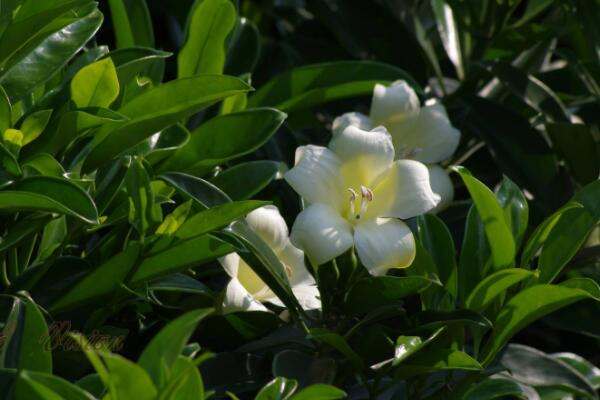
{"points": [[268, 223], [441, 184], [365, 155], [293, 260], [394, 103], [237, 298], [404, 193], [321, 233], [430, 134], [317, 177], [230, 264], [357, 119], [384, 243], [308, 296]]}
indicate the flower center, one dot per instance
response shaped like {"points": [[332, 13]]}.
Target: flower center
{"points": [[366, 196]]}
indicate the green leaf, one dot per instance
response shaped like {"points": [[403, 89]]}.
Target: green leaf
{"points": [[277, 389], [204, 193], [173, 221], [95, 85], [437, 241], [49, 194], [583, 366], [132, 23], [319, 391], [22, 230], [52, 54], [373, 292], [185, 381], [339, 343], [5, 111], [575, 144], [224, 138], [564, 240], [426, 362], [135, 61], [43, 164], [531, 90], [245, 180], [448, 30], [432, 319], [69, 127], [203, 52], [516, 209], [406, 346], [179, 257], [101, 281], [169, 141], [530, 305], [216, 217], [533, 367], [159, 356], [149, 115], [493, 286], [540, 234], [144, 212], [34, 125], [521, 152], [321, 83], [126, 380], [499, 235], [9, 162], [244, 48], [494, 388], [26, 340], [47, 385]]}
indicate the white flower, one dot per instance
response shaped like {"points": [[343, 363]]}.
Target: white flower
{"points": [[246, 291], [419, 133], [355, 191]]}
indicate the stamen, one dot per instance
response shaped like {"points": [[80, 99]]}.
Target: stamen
{"points": [[353, 196], [366, 198]]}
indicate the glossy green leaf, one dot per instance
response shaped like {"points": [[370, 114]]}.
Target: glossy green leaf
{"points": [[204, 193], [69, 127], [43, 164], [179, 257], [516, 209], [245, 180], [339, 343], [37, 67], [224, 138], [161, 353], [493, 286], [26, 338], [149, 115], [433, 319], [494, 388], [437, 360], [185, 381], [437, 241], [575, 144], [406, 346], [169, 141], [22, 230], [519, 150], [532, 304], [138, 61], [132, 23], [373, 292], [583, 366], [126, 379], [95, 85], [101, 281], [210, 21], [47, 385], [5, 111], [173, 221], [448, 30], [277, 389], [316, 84], [244, 48], [9, 162], [536, 368], [564, 240], [49, 194], [216, 217], [34, 125], [144, 212], [319, 391], [499, 235]]}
